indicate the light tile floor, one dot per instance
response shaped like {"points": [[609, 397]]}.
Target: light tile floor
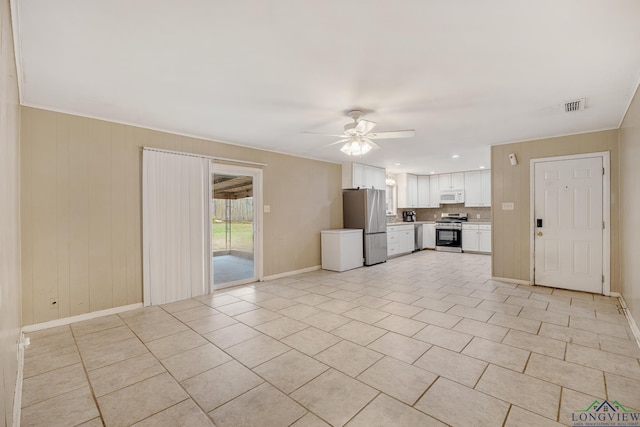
{"points": [[425, 339]]}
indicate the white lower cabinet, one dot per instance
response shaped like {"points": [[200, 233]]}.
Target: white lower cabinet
{"points": [[484, 240], [470, 239], [400, 239], [476, 238]]}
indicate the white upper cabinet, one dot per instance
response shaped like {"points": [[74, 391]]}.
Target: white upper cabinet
{"points": [[486, 188], [434, 192], [428, 192], [473, 188], [407, 185], [424, 191], [451, 181], [477, 188], [356, 175]]}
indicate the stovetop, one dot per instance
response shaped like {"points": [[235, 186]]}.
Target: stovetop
{"points": [[452, 218]]}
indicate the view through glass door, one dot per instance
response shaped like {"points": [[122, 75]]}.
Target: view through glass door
{"points": [[233, 226]]}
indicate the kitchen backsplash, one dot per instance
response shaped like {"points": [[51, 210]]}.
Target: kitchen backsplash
{"points": [[433, 214]]}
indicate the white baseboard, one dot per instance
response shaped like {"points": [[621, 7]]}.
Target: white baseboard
{"points": [[80, 317], [632, 323], [17, 400], [508, 280], [290, 273]]}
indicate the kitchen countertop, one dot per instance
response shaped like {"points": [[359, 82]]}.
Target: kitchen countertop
{"points": [[433, 222], [410, 223]]}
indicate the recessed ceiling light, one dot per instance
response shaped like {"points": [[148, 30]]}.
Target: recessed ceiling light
{"points": [[455, 156], [433, 172], [481, 167], [396, 164]]}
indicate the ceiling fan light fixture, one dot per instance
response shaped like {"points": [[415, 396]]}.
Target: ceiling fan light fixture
{"points": [[356, 147], [358, 139]]}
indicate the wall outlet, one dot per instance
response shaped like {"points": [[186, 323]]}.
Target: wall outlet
{"points": [[477, 216], [507, 206], [267, 208]]}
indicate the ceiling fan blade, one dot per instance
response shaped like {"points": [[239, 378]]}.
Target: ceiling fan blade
{"points": [[364, 126], [326, 134], [338, 142], [392, 134], [371, 143]]}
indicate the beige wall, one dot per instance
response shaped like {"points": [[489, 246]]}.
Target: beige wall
{"points": [[10, 304], [630, 206], [511, 257], [81, 210]]}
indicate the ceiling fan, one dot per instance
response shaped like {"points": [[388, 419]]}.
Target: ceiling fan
{"points": [[358, 137]]}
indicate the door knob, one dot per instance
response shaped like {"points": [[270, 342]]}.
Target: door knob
{"points": [[539, 233]]}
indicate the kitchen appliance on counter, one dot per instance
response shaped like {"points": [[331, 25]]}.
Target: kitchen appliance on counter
{"points": [[449, 232], [365, 209], [409, 216]]}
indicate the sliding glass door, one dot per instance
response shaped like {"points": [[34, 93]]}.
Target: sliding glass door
{"points": [[234, 224]]}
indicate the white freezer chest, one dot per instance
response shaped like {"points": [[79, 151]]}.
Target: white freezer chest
{"points": [[342, 249]]}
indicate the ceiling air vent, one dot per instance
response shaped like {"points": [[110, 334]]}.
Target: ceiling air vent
{"points": [[575, 105]]}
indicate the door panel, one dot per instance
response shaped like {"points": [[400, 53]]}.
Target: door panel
{"points": [[568, 247], [551, 255], [234, 225], [581, 254]]}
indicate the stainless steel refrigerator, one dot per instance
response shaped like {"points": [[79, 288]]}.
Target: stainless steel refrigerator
{"points": [[365, 209]]}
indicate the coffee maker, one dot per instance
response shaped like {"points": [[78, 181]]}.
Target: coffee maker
{"points": [[409, 216]]}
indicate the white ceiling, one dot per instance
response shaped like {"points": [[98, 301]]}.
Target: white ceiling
{"points": [[464, 74]]}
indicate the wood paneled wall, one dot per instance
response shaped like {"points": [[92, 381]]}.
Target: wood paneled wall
{"points": [[10, 300], [630, 206], [81, 210], [510, 230]]}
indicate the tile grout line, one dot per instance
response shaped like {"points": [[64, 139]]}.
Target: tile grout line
{"points": [[86, 374], [337, 286], [165, 371]]}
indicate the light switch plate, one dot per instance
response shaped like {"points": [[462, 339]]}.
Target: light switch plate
{"points": [[267, 208], [507, 206]]}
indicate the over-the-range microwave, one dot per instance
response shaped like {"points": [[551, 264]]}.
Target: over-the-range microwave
{"points": [[451, 196]]}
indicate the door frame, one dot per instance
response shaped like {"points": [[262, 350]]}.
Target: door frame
{"points": [[258, 252], [606, 213]]}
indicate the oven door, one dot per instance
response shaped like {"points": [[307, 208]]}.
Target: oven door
{"points": [[448, 238]]}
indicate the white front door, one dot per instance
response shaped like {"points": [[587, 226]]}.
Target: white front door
{"points": [[568, 233]]}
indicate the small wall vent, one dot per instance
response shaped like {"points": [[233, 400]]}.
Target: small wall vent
{"points": [[575, 105]]}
